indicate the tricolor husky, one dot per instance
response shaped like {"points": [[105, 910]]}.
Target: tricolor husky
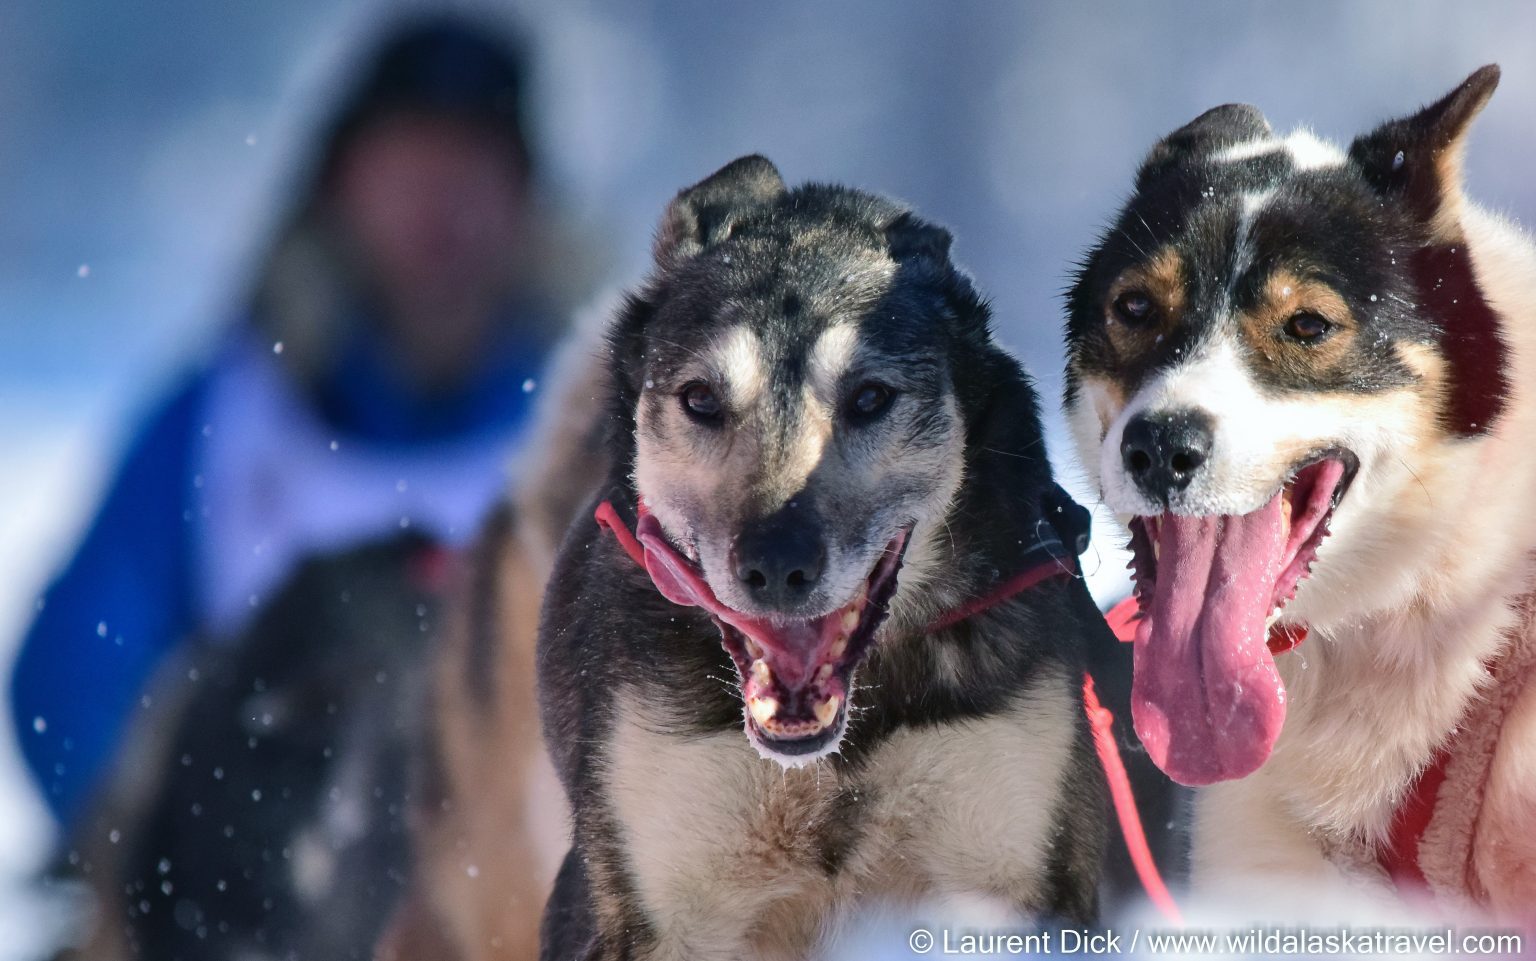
{"points": [[806, 682], [1305, 373]]}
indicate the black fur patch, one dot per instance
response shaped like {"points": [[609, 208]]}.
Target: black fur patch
{"points": [[1363, 229], [1470, 339], [1322, 225]]}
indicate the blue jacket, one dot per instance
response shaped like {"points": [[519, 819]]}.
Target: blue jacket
{"points": [[236, 478]]}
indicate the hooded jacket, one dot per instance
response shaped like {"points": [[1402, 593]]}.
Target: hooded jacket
{"points": [[300, 436]]}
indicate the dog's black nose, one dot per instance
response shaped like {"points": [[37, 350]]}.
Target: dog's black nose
{"points": [[1163, 452], [779, 558]]}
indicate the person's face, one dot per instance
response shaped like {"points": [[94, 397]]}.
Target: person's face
{"points": [[435, 204]]}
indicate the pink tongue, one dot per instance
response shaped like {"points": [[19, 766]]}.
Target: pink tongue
{"points": [[1206, 699]]}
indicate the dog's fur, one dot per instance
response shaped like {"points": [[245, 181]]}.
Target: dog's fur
{"points": [[1425, 377], [964, 766], [490, 824]]}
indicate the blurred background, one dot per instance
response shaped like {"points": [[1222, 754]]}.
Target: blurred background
{"points": [[150, 153]]}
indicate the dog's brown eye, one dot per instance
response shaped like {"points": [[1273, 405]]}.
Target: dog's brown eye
{"points": [[700, 402], [870, 400], [1133, 308], [1307, 327]]}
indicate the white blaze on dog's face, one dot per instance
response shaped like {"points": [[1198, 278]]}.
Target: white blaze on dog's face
{"points": [[797, 432], [1277, 339]]}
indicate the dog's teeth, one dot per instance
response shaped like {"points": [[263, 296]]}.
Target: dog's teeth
{"points": [[826, 711], [824, 673], [763, 709], [761, 674], [850, 619], [839, 647], [754, 649]]}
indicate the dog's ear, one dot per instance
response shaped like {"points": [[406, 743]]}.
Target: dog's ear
{"points": [[919, 246], [910, 236], [1417, 160], [704, 214], [1219, 127]]}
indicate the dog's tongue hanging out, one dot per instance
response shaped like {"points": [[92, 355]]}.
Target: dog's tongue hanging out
{"points": [[1207, 700]]}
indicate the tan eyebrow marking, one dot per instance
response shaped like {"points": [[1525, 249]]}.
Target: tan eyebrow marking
{"points": [[1285, 294], [1161, 278]]}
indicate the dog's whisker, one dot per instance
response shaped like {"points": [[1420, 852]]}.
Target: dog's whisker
{"points": [[1008, 453], [1126, 234], [691, 351], [954, 545], [733, 687], [1150, 232], [1417, 479]]}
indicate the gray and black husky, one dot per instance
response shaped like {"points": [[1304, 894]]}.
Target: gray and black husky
{"points": [[813, 679]]}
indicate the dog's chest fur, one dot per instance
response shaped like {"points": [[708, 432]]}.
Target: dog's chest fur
{"points": [[735, 855]]}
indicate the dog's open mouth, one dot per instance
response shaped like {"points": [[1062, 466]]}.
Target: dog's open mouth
{"points": [[1206, 700], [796, 675]]}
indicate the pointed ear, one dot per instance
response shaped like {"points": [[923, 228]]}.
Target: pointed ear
{"points": [[1418, 160], [1219, 127], [704, 214], [910, 236], [923, 248]]}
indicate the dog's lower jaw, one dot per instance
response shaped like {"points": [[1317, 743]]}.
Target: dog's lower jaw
{"points": [[823, 744]]}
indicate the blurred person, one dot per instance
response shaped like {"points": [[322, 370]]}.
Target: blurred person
{"points": [[378, 379]]}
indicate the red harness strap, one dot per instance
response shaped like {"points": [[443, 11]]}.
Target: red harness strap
{"points": [[1017, 584], [608, 517], [1400, 856], [1100, 719]]}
